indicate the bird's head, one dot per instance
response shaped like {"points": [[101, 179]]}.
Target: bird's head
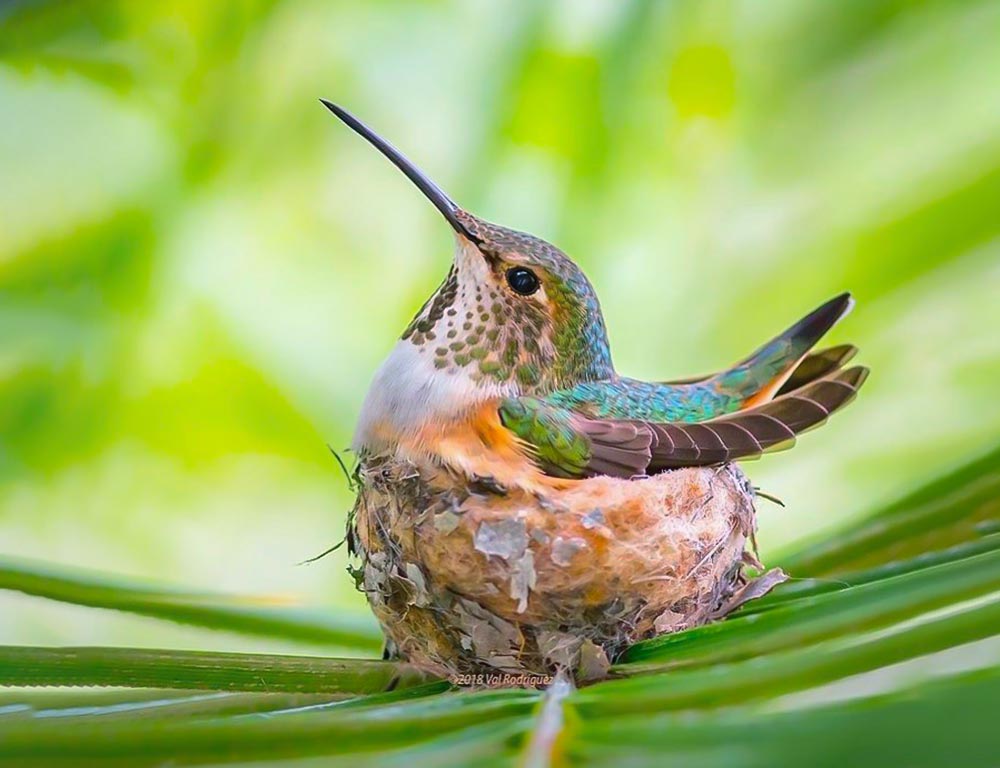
{"points": [[513, 309]]}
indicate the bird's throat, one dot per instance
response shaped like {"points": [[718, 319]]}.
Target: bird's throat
{"points": [[411, 396]]}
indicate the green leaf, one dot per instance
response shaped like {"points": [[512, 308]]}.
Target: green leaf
{"points": [[121, 704], [821, 617], [785, 671], [332, 731], [147, 668], [246, 615], [799, 588], [950, 722], [959, 507]]}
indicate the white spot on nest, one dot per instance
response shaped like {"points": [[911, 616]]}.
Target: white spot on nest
{"points": [[522, 579], [446, 522], [564, 549], [539, 536], [416, 576], [505, 538]]}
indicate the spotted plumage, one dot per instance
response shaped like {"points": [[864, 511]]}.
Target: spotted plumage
{"points": [[506, 373]]}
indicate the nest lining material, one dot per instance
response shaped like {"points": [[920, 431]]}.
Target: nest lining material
{"points": [[467, 579]]}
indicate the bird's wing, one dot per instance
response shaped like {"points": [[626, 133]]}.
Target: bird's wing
{"points": [[568, 443], [626, 427]]}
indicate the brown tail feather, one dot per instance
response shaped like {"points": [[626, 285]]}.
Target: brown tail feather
{"points": [[749, 433], [817, 365]]}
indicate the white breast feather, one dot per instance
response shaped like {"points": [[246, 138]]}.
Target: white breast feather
{"points": [[408, 393]]}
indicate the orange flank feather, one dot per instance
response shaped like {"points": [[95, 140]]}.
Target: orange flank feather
{"points": [[477, 445]]}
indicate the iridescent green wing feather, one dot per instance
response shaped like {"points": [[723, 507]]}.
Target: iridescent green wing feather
{"points": [[565, 443]]}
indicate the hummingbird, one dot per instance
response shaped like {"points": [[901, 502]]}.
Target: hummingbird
{"points": [[505, 374]]}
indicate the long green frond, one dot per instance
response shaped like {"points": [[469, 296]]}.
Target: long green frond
{"points": [[246, 615]]}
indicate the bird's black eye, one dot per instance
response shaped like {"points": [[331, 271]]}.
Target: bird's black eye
{"points": [[523, 281]]}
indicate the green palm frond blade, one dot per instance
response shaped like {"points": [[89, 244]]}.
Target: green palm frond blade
{"points": [[915, 726], [780, 673], [951, 510], [800, 588], [246, 615], [867, 607], [107, 704], [332, 731], [147, 668]]}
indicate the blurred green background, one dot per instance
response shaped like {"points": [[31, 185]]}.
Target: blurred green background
{"points": [[200, 268]]}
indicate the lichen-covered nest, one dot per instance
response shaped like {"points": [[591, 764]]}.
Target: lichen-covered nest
{"points": [[472, 579]]}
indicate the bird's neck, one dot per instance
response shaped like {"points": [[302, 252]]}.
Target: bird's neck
{"points": [[583, 352]]}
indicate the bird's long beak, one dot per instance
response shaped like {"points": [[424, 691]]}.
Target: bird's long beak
{"points": [[431, 190]]}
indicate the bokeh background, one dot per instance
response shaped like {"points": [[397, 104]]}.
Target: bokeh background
{"points": [[200, 268]]}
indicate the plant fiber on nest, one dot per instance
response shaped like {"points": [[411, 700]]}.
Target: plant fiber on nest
{"points": [[472, 580]]}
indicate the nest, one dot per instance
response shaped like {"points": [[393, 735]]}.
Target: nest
{"points": [[472, 579]]}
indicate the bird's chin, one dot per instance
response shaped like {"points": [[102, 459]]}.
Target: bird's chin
{"points": [[470, 262]]}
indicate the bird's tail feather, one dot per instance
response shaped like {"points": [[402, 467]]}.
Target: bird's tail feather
{"points": [[816, 365], [772, 425], [765, 373]]}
